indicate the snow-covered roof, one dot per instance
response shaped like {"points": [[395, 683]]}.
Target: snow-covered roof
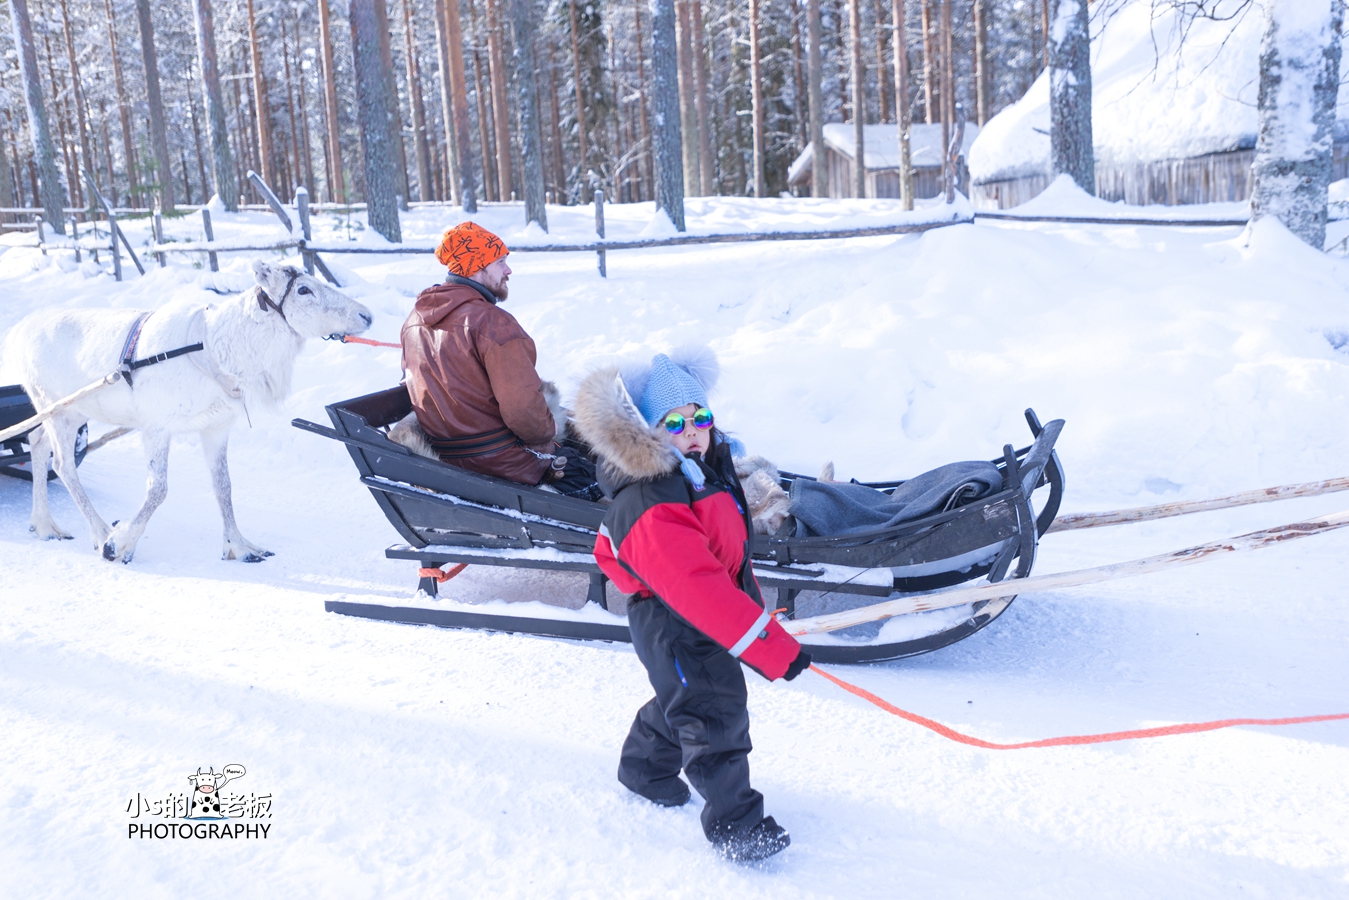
{"points": [[1152, 99], [881, 146]]}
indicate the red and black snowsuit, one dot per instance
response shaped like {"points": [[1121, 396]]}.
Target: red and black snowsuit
{"points": [[696, 613]]}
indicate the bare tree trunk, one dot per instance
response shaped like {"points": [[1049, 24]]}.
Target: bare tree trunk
{"points": [[647, 175], [1070, 139], [421, 151], [304, 118], [558, 158], [468, 190], [107, 150], [446, 100], [123, 105], [948, 100], [882, 87], [392, 105], [489, 180], [756, 97], [857, 75], [584, 165], [59, 112], [902, 108], [201, 154], [523, 25], [159, 139], [86, 154], [1044, 32], [702, 79], [376, 121], [819, 172], [336, 182], [48, 190], [259, 98], [222, 165], [929, 67], [296, 168], [801, 114], [666, 139], [6, 177], [62, 118], [463, 144], [1299, 79], [688, 113], [983, 81], [500, 102]]}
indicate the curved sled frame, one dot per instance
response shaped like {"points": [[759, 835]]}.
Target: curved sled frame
{"points": [[449, 515]]}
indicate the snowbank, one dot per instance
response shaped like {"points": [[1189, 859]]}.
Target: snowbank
{"points": [[414, 762], [1064, 198]]}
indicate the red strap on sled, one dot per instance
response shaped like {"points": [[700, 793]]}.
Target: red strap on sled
{"points": [[1070, 740], [440, 575], [351, 339]]}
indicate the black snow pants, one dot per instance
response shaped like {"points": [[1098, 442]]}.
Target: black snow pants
{"points": [[698, 720]]}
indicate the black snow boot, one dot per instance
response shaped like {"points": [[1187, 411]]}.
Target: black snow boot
{"points": [[758, 843], [665, 792]]}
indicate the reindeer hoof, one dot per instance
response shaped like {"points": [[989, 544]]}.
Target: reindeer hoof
{"points": [[253, 557], [109, 551]]}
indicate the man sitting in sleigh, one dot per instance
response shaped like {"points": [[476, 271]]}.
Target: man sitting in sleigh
{"points": [[471, 376]]}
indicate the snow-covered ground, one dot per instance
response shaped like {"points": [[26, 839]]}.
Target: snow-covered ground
{"points": [[410, 762]]}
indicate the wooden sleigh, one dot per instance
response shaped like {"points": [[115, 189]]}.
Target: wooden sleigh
{"points": [[449, 516]]}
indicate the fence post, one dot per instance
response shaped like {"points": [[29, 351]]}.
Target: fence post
{"points": [[112, 226], [159, 236], [599, 229], [302, 205], [210, 238], [41, 235], [75, 237], [116, 251]]}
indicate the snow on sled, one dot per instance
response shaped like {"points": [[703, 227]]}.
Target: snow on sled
{"points": [[15, 456], [447, 515]]}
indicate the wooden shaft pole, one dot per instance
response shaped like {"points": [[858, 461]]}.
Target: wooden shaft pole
{"points": [[1016, 586], [44, 415], [1187, 507]]}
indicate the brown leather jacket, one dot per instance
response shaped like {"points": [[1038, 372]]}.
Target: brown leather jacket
{"points": [[470, 372]]}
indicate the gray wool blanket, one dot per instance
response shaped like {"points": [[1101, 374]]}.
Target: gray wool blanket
{"points": [[833, 507]]}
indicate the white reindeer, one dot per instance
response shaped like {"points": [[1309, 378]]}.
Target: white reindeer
{"points": [[250, 345]]}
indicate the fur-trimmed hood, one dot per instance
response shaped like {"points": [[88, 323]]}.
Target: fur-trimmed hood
{"points": [[607, 419]]}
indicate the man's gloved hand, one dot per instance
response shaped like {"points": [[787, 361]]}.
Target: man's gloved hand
{"points": [[799, 665]]}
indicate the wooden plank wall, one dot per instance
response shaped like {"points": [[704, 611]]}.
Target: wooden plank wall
{"points": [[1212, 178]]}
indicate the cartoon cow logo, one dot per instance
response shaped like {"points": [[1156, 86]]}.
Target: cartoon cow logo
{"points": [[205, 802]]}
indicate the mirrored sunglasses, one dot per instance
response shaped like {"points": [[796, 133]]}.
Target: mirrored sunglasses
{"points": [[675, 422]]}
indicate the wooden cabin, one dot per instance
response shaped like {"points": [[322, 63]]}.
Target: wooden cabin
{"points": [[1168, 127], [881, 158]]}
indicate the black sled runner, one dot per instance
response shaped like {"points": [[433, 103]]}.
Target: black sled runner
{"points": [[447, 515]]}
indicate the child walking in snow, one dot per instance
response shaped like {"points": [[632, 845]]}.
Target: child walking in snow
{"points": [[676, 537]]}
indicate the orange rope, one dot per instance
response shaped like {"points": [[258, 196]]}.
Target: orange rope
{"points": [[1164, 731], [440, 575], [352, 339]]}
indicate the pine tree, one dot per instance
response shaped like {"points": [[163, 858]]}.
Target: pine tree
{"points": [[48, 189], [524, 25], [1070, 140], [1299, 81], [376, 122]]}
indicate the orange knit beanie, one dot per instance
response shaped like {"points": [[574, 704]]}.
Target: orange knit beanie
{"points": [[467, 248]]}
